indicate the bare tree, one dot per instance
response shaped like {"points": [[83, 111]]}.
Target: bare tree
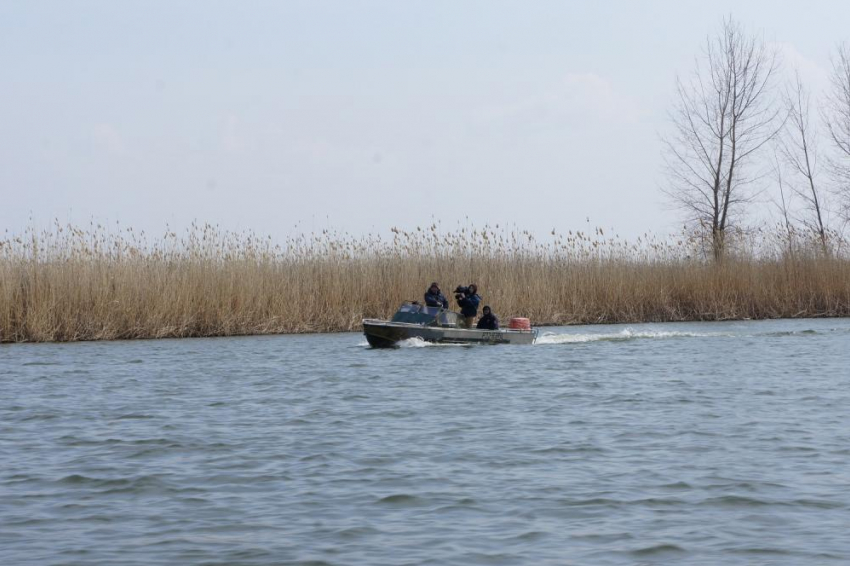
{"points": [[798, 146], [723, 117], [784, 206], [837, 117]]}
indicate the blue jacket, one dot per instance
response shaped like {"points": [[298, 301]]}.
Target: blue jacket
{"points": [[469, 304], [435, 299]]}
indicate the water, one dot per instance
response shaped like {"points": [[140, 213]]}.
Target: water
{"points": [[686, 443]]}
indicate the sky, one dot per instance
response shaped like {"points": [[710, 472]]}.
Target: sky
{"points": [[285, 116]]}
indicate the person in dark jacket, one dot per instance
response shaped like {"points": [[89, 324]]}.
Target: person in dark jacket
{"points": [[434, 297], [488, 320], [468, 301]]}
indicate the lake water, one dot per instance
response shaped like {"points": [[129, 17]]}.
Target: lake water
{"points": [[699, 443]]}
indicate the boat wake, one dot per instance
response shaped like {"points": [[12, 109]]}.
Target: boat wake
{"points": [[630, 334], [420, 343], [622, 336], [417, 343]]}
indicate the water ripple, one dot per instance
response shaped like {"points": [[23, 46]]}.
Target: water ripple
{"points": [[716, 443]]}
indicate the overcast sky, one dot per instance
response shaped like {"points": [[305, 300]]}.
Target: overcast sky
{"points": [[358, 116]]}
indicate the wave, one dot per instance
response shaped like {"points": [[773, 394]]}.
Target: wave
{"points": [[631, 334], [622, 336], [806, 332], [420, 343], [416, 342]]}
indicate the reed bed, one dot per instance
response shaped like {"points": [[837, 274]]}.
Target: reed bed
{"points": [[103, 283]]}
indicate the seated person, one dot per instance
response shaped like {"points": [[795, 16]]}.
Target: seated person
{"points": [[488, 320], [434, 297]]}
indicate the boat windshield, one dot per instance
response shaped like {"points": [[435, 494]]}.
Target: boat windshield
{"points": [[421, 314]]}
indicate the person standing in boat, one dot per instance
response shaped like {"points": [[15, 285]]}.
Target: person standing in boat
{"points": [[488, 320], [468, 301], [435, 298]]}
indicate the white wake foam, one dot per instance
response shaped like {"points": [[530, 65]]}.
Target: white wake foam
{"points": [[414, 343], [623, 335], [420, 343]]}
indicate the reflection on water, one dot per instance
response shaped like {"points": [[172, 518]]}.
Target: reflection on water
{"points": [[682, 443]]}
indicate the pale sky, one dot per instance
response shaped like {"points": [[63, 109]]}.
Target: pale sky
{"points": [[358, 116]]}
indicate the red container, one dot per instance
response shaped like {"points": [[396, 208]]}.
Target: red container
{"points": [[519, 324]]}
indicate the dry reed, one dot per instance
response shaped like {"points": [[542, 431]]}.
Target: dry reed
{"points": [[67, 283]]}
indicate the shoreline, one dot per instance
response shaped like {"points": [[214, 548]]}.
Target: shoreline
{"points": [[360, 331], [74, 285]]}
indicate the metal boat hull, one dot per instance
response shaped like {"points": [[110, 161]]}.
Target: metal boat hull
{"points": [[384, 334]]}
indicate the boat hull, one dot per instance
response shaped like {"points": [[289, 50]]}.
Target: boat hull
{"points": [[384, 334]]}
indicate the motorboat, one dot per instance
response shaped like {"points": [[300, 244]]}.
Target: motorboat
{"points": [[441, 326]]}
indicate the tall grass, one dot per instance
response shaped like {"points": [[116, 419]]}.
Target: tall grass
{"points": [[67, 283]]}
